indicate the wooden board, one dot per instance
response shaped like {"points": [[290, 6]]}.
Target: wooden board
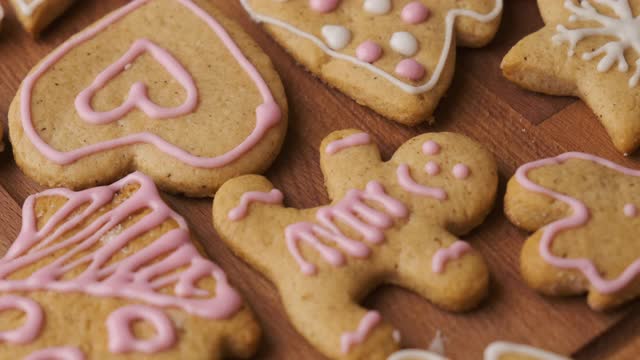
{"points": [[517, 126]]}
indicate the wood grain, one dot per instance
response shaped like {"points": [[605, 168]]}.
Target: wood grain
{"points": [[517, 126]]}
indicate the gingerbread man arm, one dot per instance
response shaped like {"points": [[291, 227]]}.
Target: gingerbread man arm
{"points": [[471, 32]]}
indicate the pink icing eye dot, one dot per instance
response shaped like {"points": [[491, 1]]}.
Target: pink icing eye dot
{"points": [[369, 51], [432, 168], [415, 13], [410, 69], [324, 6], [461, 171], [630, 210], [431, 148]]}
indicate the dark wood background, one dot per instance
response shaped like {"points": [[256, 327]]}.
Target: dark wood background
{"points": [[516, 125]]}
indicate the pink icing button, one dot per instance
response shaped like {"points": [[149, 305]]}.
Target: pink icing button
{"points": [[431, 148], [415, 13], [461, 171], [324, 6], [410, 69], [630, 210], [432, 168], [57, 353], [122, 339], [369, 51], [31, 328]]}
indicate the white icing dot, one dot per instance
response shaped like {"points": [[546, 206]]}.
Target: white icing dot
{"points": [[337, 37], [404, 43], [377, 7]]}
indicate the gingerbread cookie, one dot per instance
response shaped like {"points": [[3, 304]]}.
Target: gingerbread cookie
{"points": [[395, 56], [168, 87], [113, 273], [35, 15], [589, 49], [393, 222], [498, 350], [584, 211]]}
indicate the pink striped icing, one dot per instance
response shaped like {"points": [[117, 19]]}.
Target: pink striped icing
{"points": [[453, 252], [57, 353], [240, 212], [578, 218], [32, 326], [138, 277], [268, 114], [353, 212], [409, 184], [349, 339], [121, 338], [349, 141]]}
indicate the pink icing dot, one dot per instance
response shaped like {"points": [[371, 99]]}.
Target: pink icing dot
{"points": [[431, 148], [461, 171], [630, 210], [432, 168], [415, 13], [410, 69], [323, 6], [369, 51]]}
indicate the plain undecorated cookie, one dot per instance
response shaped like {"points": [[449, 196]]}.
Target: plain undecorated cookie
{"points": [[394, 222], [167, 87]]}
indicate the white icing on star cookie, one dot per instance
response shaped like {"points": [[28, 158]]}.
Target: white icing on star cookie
{"points": [[337, 37], [377, 7], [404, 43]]}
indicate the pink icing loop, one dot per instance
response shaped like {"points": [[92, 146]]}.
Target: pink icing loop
{"points": [[461, 171], [57, 353], [121, 338], [31, 328], [324, 6], [268, 114], [630, 210], [432, 168], [415, 13], [240, 212], [578, 218], [349, 141], [349, 339], [431, 148], [369, 51], [453, 252], [410, 69], [138, 97], [409, 184]]}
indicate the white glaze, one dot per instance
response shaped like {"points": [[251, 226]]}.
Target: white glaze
{"points": [[377, 7], [415, 354], [495, 350], [28, 9], [404, 43], [337, 37]]}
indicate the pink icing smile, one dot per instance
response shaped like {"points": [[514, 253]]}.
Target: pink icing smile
{"points": [[58, 353], [369, 51], [415, 13], [407, 183], [410, 69], [324, 6], [268, 114], [453, 252], [240, 212], [368, 322], [31, 328], [350, 141], [578, 218]]}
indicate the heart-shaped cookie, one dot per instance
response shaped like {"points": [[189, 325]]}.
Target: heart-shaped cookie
{"points": [[395, 56], [186, 97]]}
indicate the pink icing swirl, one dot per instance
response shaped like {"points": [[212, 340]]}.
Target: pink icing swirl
{"points": [[351, 211], [578, 218], [409, 184], [268, 114], [350, 339], [240, 212], [121, 338], [32, 326], [453, 252], [57, 353], [349, 141]]}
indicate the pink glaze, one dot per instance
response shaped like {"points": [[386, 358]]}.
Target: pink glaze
{"points": [[323, 6], [432, 168], [267, 115], [138, 97], [240, 212], [369, 51], [57, 353], [431, 147], [32, 326], [121, 338], [580, 217], [410, 69], [353, 212], [453, 252], [138, 277], [349, 339], [461, 171], [415, 13], [407, 183], [350, 141], [630, 210]]}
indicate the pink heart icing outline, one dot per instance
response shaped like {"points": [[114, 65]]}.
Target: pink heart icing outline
{"points": [[138, 97], [268, 114]]}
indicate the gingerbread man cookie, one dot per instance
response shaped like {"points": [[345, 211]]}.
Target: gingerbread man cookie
{"points": [[167, 87], [394, 56], [113, 273], [584, 211], [589, 49], [393, 222], [35, 15]]}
